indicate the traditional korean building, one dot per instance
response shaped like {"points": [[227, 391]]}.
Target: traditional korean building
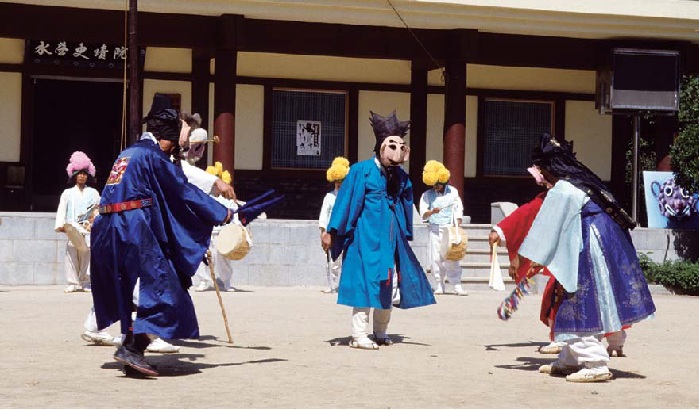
{"points": [[288, 85]]}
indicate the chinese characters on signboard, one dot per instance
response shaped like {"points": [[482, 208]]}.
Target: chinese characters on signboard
{"points": [[77, 54], [307, 137]]}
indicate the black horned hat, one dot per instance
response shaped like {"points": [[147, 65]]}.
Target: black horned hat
{"points": [[386, 126]]}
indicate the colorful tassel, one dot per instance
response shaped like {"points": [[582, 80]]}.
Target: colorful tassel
{"points": [[510, 305]]}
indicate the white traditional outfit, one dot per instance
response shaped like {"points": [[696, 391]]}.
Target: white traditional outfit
{"points": [[74, 208], [334, 266], [451, 209]]}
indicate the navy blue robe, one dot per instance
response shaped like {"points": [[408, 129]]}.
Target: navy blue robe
{"points": [[162, 244], [372, 229]]}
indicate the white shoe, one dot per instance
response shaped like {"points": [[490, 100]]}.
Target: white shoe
{"points": [[73, 288], [590, 376], [204, 286], [363, 343], [439, 290], [329, 290], [459, 291], [551, 348], [160, 346], [101, 338]]}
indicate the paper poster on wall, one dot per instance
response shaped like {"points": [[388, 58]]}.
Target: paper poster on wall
{"points": [[668, 205], [307, 137]]}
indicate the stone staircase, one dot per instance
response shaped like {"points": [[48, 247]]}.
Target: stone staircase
{"points": [[475, 265]]}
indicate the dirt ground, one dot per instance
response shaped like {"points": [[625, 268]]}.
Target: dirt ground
{"points": [[290, 351]]}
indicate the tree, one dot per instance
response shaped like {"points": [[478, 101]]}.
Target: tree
{"points": [[685, 149]]}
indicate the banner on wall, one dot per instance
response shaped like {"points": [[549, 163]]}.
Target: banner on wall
{"points": [[307, 137], [667, 204]]}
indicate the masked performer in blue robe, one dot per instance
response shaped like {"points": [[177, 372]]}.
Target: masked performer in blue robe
{"points": [[581, 235], [371, 224], [153, 227]]}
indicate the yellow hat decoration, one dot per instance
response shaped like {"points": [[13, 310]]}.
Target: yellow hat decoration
{"points": [[338, 169], [434, 172], [217, 169]]}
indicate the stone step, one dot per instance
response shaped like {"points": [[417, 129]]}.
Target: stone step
{"points": [[481, 283], [483, 256]]}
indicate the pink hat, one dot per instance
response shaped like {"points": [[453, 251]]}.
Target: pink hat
{"points": [[80, 162]]}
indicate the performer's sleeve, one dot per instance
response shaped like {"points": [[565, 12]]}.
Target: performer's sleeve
{"points": [[407, 201], [555, 238], [324, 217], [61, 212], [200, 178], [514, 228], [458, 207], [95, 198], [348, 205], [179, 192], [424, 206], [349, 202]]}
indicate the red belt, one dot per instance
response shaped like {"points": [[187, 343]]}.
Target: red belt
{"points": [[125, 206]]}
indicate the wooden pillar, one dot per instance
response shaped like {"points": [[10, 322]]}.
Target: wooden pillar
{"points": [[455, 122], [201, 60], [134, 83], [225, 81], [418, 127]]}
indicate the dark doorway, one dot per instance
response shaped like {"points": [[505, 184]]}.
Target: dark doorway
{"points": [[72, 116]]}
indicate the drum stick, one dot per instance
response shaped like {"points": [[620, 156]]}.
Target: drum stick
{"points": [[218, 293]]}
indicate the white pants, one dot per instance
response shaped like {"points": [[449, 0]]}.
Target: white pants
{"points": [[587, 351], [360, 316], [91, 321], [360, 322], [222, 269], [77, 265], [616, 340], [333, 271], [441, 268]]}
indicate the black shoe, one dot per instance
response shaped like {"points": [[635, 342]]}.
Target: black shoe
{"points": [[132, 373], [135, 361], [383, 341]]}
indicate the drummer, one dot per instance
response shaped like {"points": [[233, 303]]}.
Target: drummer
{"points": [[439, 207], [75, 208]]}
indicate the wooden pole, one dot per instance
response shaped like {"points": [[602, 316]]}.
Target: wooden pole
{"points": [[218, 293], [134, 82]]}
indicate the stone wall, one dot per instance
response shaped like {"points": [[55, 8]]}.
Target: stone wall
{"points": [[284, 252]]}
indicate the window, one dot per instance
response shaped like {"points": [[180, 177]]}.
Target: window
{"points": [[309, 128], [511, 129]]}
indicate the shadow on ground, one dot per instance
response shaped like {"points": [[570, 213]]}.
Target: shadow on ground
{"points": [[173, 365]]}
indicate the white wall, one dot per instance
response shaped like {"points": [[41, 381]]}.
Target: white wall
{"points": [[382, 103], [170, 60], [529, 78], [592, 134], [10, 116], [249, 122], [150, 87], [323, 68], [11, 51]]}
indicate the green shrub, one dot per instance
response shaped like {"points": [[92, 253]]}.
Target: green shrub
{"points": [[679, 276]]}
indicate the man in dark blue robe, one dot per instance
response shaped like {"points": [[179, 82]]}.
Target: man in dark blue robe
{"points": [[372, 222], [153, 227]]}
